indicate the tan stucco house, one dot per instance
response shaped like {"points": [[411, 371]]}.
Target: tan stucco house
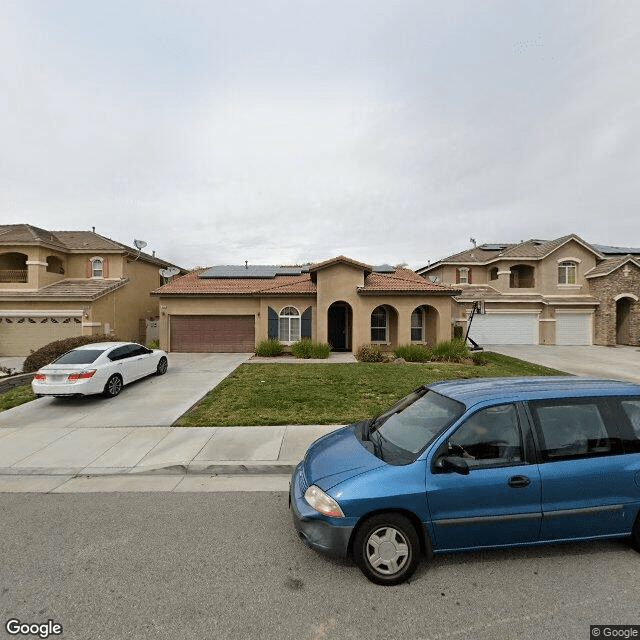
{"points": [[563, 291], [58, 284], [340, 301]]}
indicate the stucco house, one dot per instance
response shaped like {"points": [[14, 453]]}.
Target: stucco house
{"points": [[563, 291], [340, 301], [58, 284]]}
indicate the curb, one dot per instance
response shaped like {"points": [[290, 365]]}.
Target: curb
{"points": [[210, 469]]}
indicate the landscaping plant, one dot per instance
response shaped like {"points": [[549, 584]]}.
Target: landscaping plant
{"points": [[270, 348], [305, 348]]}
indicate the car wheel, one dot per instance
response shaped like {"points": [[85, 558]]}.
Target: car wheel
{"points": [[113, 386], [163, 365], [386, 548]]}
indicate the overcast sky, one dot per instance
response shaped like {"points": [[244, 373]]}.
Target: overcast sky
{"points": [[290, 131]]}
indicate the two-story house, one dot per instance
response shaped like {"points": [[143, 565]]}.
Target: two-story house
{"points": [[58, 284], [563, 291]]}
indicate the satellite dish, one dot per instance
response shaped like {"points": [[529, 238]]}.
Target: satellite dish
{"points": [[139, 244], [434, 279], [169, 272]]}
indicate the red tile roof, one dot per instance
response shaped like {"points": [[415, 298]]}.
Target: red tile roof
{"points": [[403, 281]]}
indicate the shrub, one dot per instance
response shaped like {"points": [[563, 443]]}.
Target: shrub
{"points": [[371, 353], [413, 352], [153, 344], [307, 349], [270, 348], [479, 359], [453, 351], [47, 354]]}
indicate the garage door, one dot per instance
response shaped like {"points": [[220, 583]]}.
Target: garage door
{"points": [[19, 336], [505, 328], [573, 328], [213, 334]]}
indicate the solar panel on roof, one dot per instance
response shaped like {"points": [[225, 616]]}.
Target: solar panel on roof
{"points": [[258, 271], [493, 247], [384, 268], [602, 248]]}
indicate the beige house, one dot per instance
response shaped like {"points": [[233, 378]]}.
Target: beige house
{"points": [[58, 284], [340, 301], [563, 291]]}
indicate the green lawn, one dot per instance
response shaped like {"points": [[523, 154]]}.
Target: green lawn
{"points": [[15, 397], [264, 394]]}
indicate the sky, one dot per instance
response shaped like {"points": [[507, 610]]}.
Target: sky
{"points": [[294, 131]]}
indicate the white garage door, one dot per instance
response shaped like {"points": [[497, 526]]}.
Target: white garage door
{"points": [[505, 328], [19, 336], [573, 328]]}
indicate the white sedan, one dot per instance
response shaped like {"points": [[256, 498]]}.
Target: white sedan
{"points": [[101, 367]]}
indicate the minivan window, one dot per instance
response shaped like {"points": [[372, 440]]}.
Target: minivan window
{"points": [[412, 427], [490, 437], [631, 407], [573, 429]]}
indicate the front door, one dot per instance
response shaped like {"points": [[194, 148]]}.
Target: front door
{"points": [[498, 502], [338, 327]]}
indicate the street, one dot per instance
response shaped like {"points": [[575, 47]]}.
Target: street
{"points": [[229, 565]]}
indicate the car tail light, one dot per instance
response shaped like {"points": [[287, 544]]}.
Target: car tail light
{"points": [[39, 376], [83, 375]]}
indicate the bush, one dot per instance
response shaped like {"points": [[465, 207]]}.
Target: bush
{"points": [[371, 353], [153, 344], [307, 349], [413, 352], [453, 351], [270, 348], [47, 354]]}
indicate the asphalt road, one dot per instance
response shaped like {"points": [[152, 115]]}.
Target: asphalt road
{"points": [[110, 566]]}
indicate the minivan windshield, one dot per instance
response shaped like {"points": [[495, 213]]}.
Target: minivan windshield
{"points": [[80, 356], [411, 425]]}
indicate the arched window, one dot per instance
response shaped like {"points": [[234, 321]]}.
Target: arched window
{"points": [[97, 267], [289, 325], [567, 273], [417, 325], [379, 324]]}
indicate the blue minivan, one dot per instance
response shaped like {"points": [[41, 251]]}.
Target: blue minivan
{"points": [[474, 464]]}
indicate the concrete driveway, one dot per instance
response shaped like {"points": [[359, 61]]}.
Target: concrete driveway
{"points": [[619, 363], [153, 401]]}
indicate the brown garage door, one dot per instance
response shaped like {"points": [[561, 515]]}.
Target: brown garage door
{"points": [[213, 334]]}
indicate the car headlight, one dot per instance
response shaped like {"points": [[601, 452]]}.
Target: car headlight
{"points": [[317, 499]]}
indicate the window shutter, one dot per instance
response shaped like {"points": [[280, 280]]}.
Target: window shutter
{"points": [[469, 278], [457, 276], [273, 324], [305, 330], [89, 269], [105, 268]]}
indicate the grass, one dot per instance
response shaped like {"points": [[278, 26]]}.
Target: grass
{"points": [[271, 394], [16, 397]]}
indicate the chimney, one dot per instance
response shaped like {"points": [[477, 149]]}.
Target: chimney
{"points": [[93, 229], [246, 264]]}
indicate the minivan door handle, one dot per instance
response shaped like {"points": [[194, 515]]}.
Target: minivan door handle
{"points": [[519, 481]]}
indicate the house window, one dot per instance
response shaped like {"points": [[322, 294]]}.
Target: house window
{"points": [[567, 273], [97, 268], [289, 325], [463, 275], [417, 325], [379, 325], [493, 274]]}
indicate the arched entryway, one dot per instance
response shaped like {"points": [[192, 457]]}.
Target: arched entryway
{"points": [[340, 326], [623, 319], [424, 325]]}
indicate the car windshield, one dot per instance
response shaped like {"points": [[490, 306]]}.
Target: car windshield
{"points": [[79, 356], [416, 420]]}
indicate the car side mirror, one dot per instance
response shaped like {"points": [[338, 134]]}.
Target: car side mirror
{"points": [[455, 464]]}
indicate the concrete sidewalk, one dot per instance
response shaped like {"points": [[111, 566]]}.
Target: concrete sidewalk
{"points": [[68, 459]]}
